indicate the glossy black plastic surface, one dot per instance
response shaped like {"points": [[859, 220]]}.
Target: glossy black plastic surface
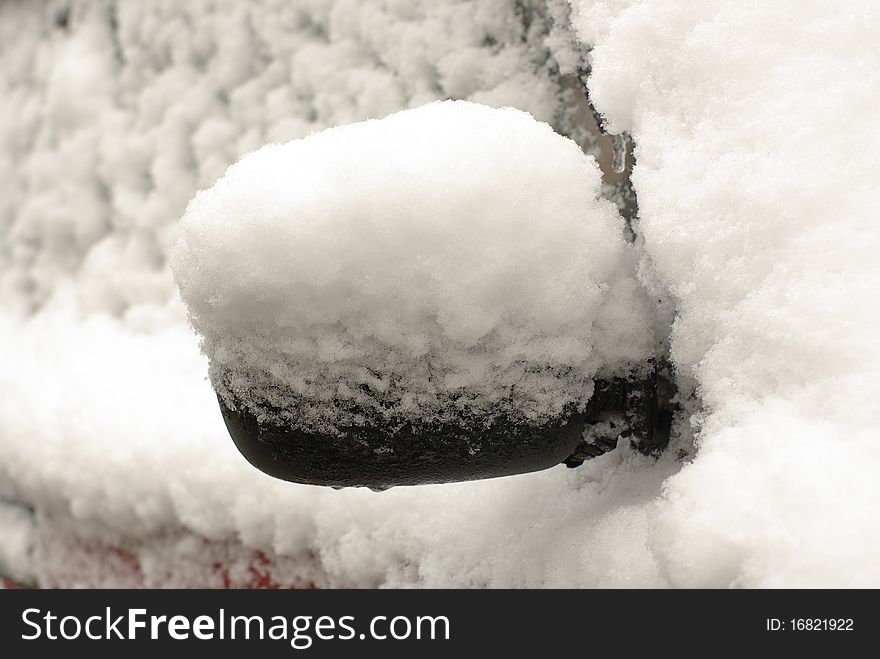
{"points": [[376, 458]]}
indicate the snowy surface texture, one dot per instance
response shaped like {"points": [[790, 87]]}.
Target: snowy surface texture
{"points": [[445, 264], [114, 115], [16, 546], [136, 450], [758, 177], [116, 111]]}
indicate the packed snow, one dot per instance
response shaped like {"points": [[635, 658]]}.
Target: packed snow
{"points": [[449, 263], [756, 146]]}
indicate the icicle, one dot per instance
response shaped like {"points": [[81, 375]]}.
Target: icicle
{"points": [[618, 156]]}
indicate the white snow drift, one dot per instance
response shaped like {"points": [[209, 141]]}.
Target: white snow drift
{"points": [[447, 260], [758, 177]]}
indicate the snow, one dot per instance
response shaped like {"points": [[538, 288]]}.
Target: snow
{"points": [[16, 547], [756, 173], [139, 457], [757, 176], [446, 263], [114, 117], [108, 425]]}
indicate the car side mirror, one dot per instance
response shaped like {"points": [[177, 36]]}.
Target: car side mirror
{"points": [[421, 299]]}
